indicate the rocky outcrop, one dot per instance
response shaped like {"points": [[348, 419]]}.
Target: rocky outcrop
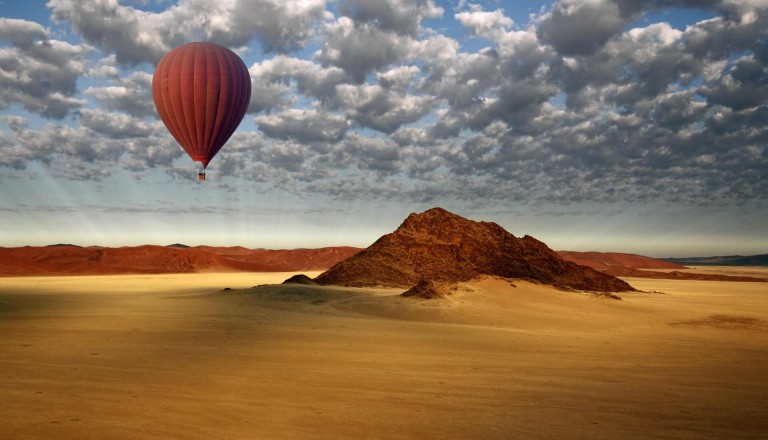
{"points": [[300, 279], [427, 289], [437, 245]]}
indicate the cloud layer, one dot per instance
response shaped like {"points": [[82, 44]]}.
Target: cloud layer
{"points": [[415, 100]]}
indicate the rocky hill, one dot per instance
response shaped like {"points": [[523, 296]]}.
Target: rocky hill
{"points": [[437, 245]]}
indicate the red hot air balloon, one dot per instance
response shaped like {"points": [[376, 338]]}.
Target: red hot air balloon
{"points": [[201, 91]]}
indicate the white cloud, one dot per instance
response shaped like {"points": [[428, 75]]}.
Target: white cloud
{"points": [[114, 125], [360, 49], [304, 125], [131, 94], [39, 73], [484, 23], [280, 25], [584, 102], [401, 16], [21, 33], [271, 81], [381, 109], [577, 27], [137, 36]]}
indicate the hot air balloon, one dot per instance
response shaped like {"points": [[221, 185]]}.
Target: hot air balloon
{"points": [[201, 92]]}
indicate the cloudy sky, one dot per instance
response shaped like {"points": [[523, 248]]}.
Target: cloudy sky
{"points": [[614, 125]]}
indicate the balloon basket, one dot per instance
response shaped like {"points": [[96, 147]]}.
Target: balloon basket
{"points": [[201, 176]]}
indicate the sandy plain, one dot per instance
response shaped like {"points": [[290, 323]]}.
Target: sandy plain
{"points": [[177, 357]]}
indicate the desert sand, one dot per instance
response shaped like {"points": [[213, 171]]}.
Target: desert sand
{"points": [[177, 357]]}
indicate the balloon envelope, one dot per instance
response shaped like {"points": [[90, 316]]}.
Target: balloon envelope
{"points": [[201, 92]]}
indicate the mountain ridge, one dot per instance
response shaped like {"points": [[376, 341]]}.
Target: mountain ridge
{"points": [[723, 260], [155, 259]]}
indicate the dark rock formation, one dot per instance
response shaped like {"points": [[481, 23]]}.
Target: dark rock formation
{"points": [[300, 279], [437, 245], [427, 290]]}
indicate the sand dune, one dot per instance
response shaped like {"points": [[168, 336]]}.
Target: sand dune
{"points": [[637, 266], [606, 260], [96, 260], [176, 356]]}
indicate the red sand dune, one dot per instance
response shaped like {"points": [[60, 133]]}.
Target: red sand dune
{"points": [[97, 260], [74, 260], [630, 265], [609, 261]]}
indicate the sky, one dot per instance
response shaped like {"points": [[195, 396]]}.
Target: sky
{"points": [[636, 126]]}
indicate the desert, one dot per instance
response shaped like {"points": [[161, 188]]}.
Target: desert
{"points": [[444, 328], [200, 200], [238, 355]]}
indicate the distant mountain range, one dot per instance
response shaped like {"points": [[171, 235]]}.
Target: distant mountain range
{"points": [[637, 266], [64, 259], [434, 245], [730, 260]]}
